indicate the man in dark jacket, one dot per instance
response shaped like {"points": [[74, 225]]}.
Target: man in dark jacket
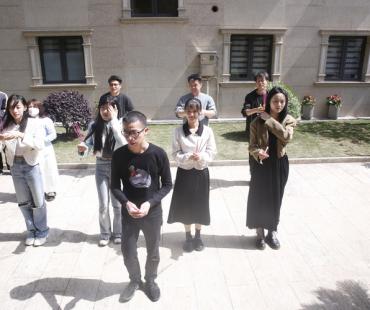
{"points": [[124, 102], [254, 102]]}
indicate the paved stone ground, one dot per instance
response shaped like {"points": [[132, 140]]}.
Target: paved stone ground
{"points": [[324, 262]]}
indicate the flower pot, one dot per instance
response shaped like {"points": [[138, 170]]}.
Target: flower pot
{"points": [[333, 112], [307, 111]]}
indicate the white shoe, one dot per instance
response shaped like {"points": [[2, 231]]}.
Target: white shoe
{"points": [[29, 241], [103, 242], [117, 240], [39, 241]]}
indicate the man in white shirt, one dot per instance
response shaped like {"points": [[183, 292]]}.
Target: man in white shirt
{"points": [[208, 104]]}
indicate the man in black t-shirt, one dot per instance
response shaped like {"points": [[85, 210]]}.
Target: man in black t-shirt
{"points": [[143, 170], [124, 102], [254, 102]]}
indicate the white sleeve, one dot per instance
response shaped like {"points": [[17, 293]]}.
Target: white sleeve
{"points": [[50, 133]]}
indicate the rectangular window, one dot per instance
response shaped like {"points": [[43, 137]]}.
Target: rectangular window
{"points": [[250, 54], [62, 60], [150, 8], [345, 58]]}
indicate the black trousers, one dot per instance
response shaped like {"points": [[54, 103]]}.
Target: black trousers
{"points": [[1, 161], [150, 225]]}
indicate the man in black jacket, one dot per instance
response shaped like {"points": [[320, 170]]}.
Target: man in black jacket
{"points": [[254, 102], [143, 170], [124, 102]]}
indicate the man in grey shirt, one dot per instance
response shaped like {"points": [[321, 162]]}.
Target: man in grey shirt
{"points": [[208, 104]]}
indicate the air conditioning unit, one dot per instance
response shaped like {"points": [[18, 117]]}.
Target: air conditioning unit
{"points": [[208, 63]]}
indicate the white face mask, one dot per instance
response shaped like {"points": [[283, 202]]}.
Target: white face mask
{"points": [[33, 112]]}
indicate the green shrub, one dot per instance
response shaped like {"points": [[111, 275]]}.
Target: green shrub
{"points": [[294, 105]]}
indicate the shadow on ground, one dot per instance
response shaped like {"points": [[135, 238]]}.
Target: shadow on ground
{"points": [[349, 295], [366, 165], [79, 289], [174, 241], [83, 170], [217, 183], [56, 238], [7, 197], [239, 136]]}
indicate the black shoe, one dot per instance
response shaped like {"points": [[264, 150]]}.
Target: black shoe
{"points": [[188, 245], [272, 241], [129, 291], [50, 196], [260, 244], [152, 290], [198, 244]]}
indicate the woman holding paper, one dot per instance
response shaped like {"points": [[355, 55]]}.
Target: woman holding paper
{"points": [[193, 147], [270, 133]]}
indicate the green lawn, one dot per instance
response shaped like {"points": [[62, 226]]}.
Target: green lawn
{"points": [[311, 139]]}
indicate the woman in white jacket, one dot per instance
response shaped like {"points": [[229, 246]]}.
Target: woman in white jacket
{"points": [[23, 139]]}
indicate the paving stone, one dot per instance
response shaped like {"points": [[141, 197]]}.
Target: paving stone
{"points": [[323, 231]]}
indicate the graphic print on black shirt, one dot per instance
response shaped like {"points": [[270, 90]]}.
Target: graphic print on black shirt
{"points": [[139, 178]]}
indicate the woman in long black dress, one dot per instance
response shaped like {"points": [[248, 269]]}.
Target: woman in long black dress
{"points": [[270, 134], [193, 148]]}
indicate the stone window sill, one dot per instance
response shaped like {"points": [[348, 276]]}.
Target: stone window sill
{"points": [[342, 83], [237, 84], [151, 20], [63, 86]]}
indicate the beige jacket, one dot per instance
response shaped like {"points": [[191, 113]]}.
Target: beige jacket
{"points": [[259, 135]]}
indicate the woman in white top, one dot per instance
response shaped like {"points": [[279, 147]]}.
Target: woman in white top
{"points": [[105, 136], [48, 162], [193, 148], [24, 140]]}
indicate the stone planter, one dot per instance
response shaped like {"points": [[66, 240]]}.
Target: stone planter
{"points": [[333, 112], [307, 111]]}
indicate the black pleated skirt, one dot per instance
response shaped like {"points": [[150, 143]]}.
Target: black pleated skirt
{"points": [[190, 198]]}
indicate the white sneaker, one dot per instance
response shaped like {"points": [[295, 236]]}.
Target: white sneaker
{"points": [[29, 241], [117, 240], [39, 241], [103, 242]]}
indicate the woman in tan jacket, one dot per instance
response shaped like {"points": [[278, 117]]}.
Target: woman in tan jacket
{"points": [[269, 135]]}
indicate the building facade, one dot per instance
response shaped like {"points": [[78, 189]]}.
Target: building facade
{"points": [[317, 47]]}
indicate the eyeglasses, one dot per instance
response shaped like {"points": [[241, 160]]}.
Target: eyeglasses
{"points": [[132, 133], [114, 84]]}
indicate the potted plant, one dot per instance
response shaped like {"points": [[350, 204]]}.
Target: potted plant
{"points": [[334, 103], [308, 103]]}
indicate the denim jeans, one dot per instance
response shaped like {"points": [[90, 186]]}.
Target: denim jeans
{"points": [[30, 197], [150, 225], [102, 178]]}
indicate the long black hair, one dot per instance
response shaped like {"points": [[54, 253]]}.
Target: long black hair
{"points": [[13, 100], [99, 124], [272, 92]]}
